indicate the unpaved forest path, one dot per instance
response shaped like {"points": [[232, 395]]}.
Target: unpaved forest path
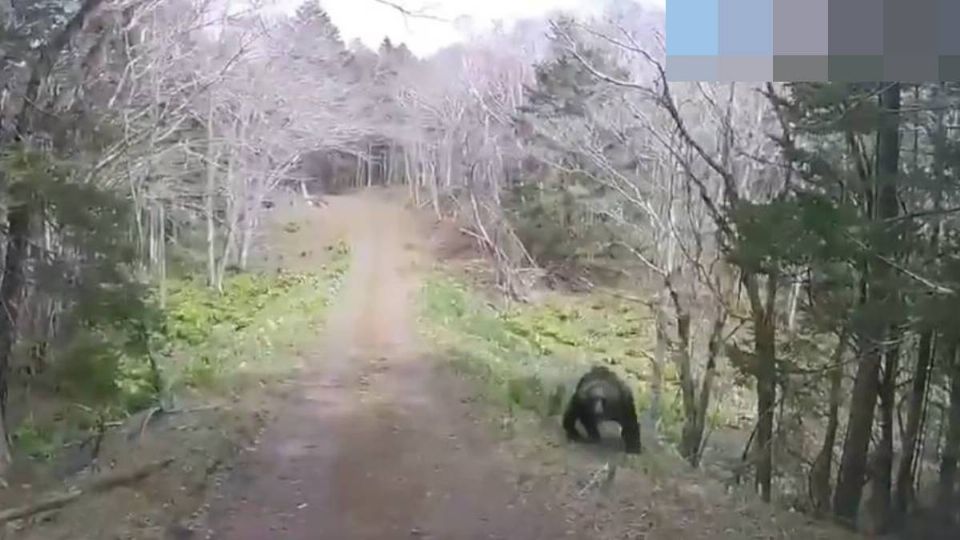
{"points": [[374, 442]]}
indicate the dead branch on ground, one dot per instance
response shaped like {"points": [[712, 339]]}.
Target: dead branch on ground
{"points": [[59, 499]]}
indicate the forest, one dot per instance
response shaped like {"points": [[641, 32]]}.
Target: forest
{"points": [[792, 246]]}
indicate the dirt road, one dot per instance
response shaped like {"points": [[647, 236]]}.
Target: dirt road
{"points": [[374, 442]]}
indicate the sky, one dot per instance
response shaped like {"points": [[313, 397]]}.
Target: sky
{"points": [[370, 21]]}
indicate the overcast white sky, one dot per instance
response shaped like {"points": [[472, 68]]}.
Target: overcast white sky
{"points": [[371, 21]]}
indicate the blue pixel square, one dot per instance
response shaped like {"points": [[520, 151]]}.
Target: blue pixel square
{"points": [[693, 27], [746, 27]]}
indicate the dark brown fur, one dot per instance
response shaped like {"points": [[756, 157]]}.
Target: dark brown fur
{"points": [[601, 395]]}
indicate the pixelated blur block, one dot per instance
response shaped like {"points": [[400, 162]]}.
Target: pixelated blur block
{"points": [[911, 68], [909, 28], [910, 41], [746, 27], [692, 68], [948, 38], [813, 40], [799, 28], [746, 40], [797, 68], [693, 27], [742, 68], [692, 40], [854, 68], [855, 28], [949, 68]]}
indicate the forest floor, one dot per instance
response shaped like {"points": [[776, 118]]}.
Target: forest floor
{"points": [[375, 437]]}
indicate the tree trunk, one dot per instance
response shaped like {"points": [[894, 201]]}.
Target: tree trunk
{"points": [[903, 491], [846, 501], [359, 179], [434, 192], [657, 362], [369, 165], [221, 265], [449, 176], [688, 446], [19, 216], [249, 230], [162, 248], [151, 237], [11, 295], [210, 198], [229, 242], [903, 496], [883, 462], [823, 464], [765, 371], [409, 179], [233, 214], [765, 347], [947, 490], [706, 384], [792, 303], [853, 469]]}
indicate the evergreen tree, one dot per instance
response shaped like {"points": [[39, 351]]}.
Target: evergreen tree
{"points": [[312, 19]]}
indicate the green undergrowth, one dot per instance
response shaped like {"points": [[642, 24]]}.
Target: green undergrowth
{"points": [[201, 341], [531, 355], [248, 329]]}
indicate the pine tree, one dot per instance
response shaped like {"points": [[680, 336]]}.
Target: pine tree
{"points": [[315, 26]]}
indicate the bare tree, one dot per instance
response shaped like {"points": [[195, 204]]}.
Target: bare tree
{"points": [[715, 134]]}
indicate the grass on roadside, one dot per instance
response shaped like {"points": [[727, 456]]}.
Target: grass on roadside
{"points": [[251, 328], [210, 343], [530, 356]]}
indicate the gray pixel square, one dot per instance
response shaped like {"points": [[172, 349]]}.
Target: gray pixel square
{"points": [[790, 68], [691, 68]]}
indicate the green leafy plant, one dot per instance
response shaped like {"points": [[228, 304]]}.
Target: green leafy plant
{"points": [[31, 440], [212, 335]]}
